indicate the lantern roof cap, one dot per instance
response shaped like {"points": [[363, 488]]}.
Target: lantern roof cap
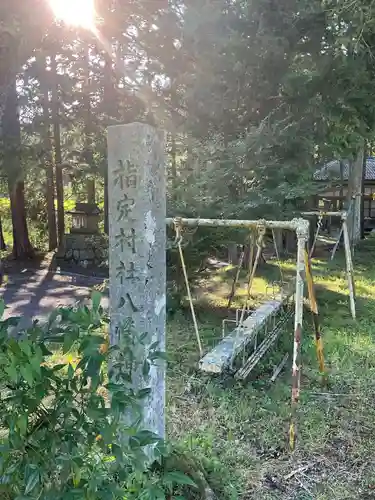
{"points": [[85, 209]]}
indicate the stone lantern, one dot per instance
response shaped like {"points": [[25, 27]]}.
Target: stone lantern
{"points": [[85, 218], [84, 245]]}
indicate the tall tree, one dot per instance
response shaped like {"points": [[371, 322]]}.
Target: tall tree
{"points": [[55, 110], [47, 154], [2, 241], [87, 122], [355, 195], [23, 25], [11, 137]]}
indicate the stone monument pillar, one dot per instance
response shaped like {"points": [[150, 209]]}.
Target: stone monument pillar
{"points": [[137, 235]]}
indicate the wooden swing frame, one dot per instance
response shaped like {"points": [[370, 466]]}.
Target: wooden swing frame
{"points": [[347, 248], [303, 271], [301, 228]]}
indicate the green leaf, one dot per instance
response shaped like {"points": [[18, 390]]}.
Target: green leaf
{"points": [[27, 373], [158, 355], [154, 345], [76, 414], [32, 404], [146, 368], [25, 347], [58, 367], [45, 351], [96, 298], [177, 477], [35, 363], [145, 438], [86, 313], [76, 474], [152, 493], [12, 373], [52, 317], [143, 337], [2, 307], [143, 393], [117, 452], [14, 347], [32, 481], [22, 424], [70, 372], [69, 340], [161, 449]]}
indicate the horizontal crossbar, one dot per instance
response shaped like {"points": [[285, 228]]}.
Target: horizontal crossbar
{"points": [[293, 225], [342, 214]]}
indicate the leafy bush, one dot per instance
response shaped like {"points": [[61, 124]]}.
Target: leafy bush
{"points": [[62, 432]]}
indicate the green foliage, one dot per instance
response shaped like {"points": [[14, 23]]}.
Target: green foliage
{"points": [[274, 90], [63, 434]]}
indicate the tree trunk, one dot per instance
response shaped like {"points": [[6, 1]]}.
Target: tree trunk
{"points": [[22, 247], [2, 106], [290, 242], [88, 128], [50, 184], [363, 181], [355, 196], [111, 111], [341, 204], [51, 214], [106, 219], [233, 254], [2, 241], [57, 150], [3, 99], [14, 55], [173, 166], [90, 186], [278, 243]]}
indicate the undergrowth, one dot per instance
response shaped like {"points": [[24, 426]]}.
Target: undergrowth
{"points": [[244, 425], [237, 432], [73, 429]]}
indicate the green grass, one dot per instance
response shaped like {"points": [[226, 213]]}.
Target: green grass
{"points": [[214, 288], [239, 430], [245, 425]]}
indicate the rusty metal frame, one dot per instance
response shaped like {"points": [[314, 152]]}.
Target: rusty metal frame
{"points": [[348, 253]]}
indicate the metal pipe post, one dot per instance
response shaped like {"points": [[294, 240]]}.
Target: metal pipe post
{"points": [[323, 213], [349, 268], [302, 237]]}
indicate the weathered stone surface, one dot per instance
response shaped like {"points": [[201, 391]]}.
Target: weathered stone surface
{"points": [[82, 249], [76, 255], [87, 254], [137, 232], [69, 254]]}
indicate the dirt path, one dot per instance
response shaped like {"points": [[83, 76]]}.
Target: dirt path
{"points": [[35, 293]]}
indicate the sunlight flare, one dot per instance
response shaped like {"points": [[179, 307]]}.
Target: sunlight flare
{"points": [[75, 12]]}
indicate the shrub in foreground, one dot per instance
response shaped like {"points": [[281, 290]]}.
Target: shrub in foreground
{"points": [[62, 431]]}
